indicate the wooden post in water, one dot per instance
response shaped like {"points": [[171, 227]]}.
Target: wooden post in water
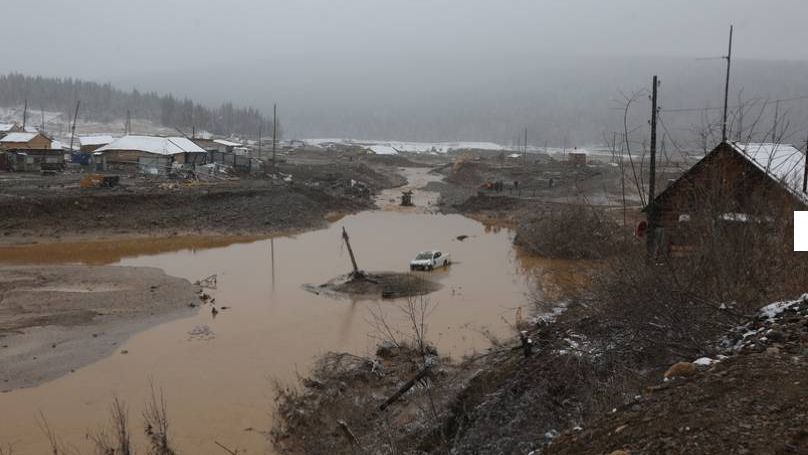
{"points": [[356, 273]]}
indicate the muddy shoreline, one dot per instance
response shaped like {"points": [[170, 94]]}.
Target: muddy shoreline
{"points": [[56, 319]]}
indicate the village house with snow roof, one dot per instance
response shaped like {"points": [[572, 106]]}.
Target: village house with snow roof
{"points": [[148, 154], [25, 141], [30, 152], [734, 184]]}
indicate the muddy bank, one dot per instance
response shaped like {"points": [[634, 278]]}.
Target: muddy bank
{"points": [[222, 209], [56, 319], [37, 208]]}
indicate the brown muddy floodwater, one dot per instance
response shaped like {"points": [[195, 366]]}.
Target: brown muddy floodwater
{"points": [[216, 373]]}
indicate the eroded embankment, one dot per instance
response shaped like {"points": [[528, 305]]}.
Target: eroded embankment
{"points": [[228, 210]]}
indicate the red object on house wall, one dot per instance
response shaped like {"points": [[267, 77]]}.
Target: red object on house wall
{"points": [[642, 229]]}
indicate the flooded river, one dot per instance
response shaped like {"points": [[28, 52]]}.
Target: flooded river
{"points": [[216, 373]]}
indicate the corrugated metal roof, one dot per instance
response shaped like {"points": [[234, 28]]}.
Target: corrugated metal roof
{"points": [[227, 143], [153, 144], [18, 137], [95, 140], [782, 162]]}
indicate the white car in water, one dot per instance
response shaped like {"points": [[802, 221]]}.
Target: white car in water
{"points": [[429, 260]]}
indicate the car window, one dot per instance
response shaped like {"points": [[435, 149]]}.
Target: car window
{"points": [[437, 255]]}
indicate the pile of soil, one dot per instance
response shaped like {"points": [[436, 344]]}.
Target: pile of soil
{"points": [[59, 318], [337, 174], [754, 401], [378, 284]]}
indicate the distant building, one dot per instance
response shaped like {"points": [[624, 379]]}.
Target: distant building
{"points": [[217, 145], [6, 128], [577, 158], [25, 141], [148, 154], [735, 183], [35, 160], [92, 143]]}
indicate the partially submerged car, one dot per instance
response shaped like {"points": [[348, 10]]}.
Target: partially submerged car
{"points": [[429, 260]]}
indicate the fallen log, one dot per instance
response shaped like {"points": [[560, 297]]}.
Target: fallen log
{"points": [[407, 386]]}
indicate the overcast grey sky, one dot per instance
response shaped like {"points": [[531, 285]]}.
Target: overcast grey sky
{"points": [[103, 38], [414, 69]]}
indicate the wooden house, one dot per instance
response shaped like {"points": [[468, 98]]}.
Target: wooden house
{"points": [[734, 185], [25, 141], [148, 154]]}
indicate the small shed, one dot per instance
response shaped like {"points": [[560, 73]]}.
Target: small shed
{"points": [[25, 141], [577, 158], [149, 154], [734, 183], [89, 144]]}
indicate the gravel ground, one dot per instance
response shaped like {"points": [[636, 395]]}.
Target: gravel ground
{"points": [[59, 318]]}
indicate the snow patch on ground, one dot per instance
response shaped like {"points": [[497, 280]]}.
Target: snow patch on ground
{"points": [[772, 310]]}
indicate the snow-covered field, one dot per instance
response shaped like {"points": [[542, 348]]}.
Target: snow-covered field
{"points": [[394, 147], [381, 147]]}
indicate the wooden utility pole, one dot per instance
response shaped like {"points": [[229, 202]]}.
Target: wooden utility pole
{"points": [[25, 114], [650, 208], [274, 144], [260, 131], [726, 89], [805, 171], [356, 273], [524, 155], [73, 128]]}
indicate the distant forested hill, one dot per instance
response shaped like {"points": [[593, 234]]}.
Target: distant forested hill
{"points": [[105, 103]]}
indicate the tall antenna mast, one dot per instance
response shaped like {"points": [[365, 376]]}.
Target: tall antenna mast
{"points": [[726, 88]]}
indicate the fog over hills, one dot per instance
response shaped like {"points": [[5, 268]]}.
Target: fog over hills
{"points": [[423, 70], [576, 100]]}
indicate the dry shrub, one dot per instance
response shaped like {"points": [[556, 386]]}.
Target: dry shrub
{"points": [[119, 442], [571, 232], [156, 425], [748, 262]]}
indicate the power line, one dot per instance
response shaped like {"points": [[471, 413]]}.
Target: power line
{"points": [[701, 109]]}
